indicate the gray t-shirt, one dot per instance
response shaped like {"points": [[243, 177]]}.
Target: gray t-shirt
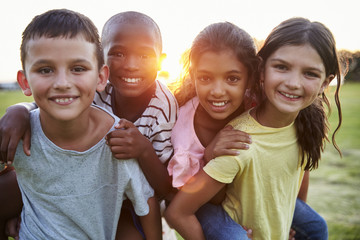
{"points": [[75, 195]]}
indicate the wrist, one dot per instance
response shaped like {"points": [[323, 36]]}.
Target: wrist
{"points": [[147, 150]]}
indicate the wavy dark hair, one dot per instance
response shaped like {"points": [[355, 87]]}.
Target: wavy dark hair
{"points": [[312, 122], [216, 37]]}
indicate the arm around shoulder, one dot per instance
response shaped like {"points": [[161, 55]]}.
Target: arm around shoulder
{"points": [[180, 214], [14, 125]]}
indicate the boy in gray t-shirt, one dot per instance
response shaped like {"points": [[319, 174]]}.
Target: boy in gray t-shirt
{"points": [[71, 186]]}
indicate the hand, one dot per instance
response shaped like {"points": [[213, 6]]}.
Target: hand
{"points": [[126, 141], [12, 227], [292, 234], [14, 125], [227, 142], [249, 232]]}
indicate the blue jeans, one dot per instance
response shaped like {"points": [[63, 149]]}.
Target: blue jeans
{"points": [[307, 223], [218, 225]]}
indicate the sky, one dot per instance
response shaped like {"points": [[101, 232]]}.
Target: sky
{"points": [[181, 20]]}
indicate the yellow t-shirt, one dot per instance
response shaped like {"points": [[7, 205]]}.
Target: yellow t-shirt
{"points": [[265, 179]]}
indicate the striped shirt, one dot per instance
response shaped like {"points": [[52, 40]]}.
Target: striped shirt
{"points": [[156, 122]]}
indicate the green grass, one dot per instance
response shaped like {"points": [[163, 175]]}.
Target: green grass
{"points": [[8, 98], [334, 190]]}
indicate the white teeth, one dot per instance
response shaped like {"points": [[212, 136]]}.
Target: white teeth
{"points": [[63, 100], [132, 80], [218, 104], [290, 96]]}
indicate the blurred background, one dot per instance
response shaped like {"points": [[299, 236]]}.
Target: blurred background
{"points": [[334, 189]]}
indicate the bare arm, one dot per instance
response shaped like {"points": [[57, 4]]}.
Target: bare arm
{"points": [[180, 214], [304, 186], [10, 199], [151, 223], [127, 142], [15, 125]]}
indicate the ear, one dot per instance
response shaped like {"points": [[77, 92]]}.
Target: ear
{"points": [[23, 83], [161, 59], [102, 79], [326, 83]]}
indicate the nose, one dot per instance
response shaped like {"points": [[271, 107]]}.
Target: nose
{"points": [[131, 63], [62, 81], [217, 88], [294, 81]]}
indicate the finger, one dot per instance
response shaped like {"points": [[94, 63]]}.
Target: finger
{"points": [[235, 145], [237, 138], [121, 150], [122, 156], [11, 227], [116, 141], [4, 148], [228, 127], [13, 143], [125, 124], [27, 142], [249, 233], [118, 133], [230, 152]]}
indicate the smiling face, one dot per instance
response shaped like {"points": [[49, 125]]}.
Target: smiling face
{"points": [[220, 81], [133, 55], [293, 78], [62, 75]]}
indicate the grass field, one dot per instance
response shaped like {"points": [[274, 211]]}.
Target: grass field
{"points": [[335, 187]]}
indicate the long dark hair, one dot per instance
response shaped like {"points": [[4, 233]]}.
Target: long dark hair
{"points": [[312, 123]]}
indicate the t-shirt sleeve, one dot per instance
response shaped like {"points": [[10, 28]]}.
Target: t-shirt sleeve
{"points": [[138, 189], [223, 169]]}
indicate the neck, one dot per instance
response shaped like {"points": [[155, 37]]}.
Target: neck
{"points": [[79, 134], [207, 127], [268, 116], [131, 108]]}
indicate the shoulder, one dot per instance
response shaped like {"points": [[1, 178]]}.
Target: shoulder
{"points": [[242, 121], [184, 124], [164, 102], [164, 93], [164, 97], [103, 117]]}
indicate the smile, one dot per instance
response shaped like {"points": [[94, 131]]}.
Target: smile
{"points": [[219, 104], [64, 100], [131, 80], [289, 95]]}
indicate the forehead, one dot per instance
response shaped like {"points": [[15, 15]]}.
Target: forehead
{"points": [[57, 49], [224, 60], [140, 34], [299, 54]]}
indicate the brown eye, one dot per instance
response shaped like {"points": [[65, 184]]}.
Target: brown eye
{"points": [[45, 70], [233, 79]]}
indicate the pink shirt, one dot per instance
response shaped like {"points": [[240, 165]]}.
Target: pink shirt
{"points": [[188, 151]]}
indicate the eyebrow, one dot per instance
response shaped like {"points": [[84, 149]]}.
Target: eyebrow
{"points": [[228, 72], [45, 61], [285, 62]]}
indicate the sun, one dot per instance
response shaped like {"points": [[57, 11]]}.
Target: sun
{"points": [[170, 69]]}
